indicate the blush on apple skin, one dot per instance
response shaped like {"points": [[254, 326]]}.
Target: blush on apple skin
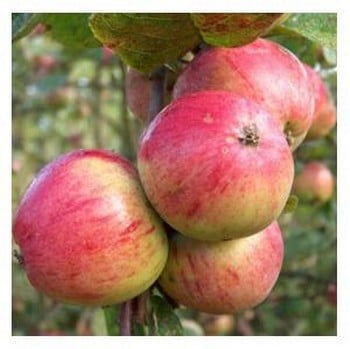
{"points": [[325, 114], [200, 175], [314, 183], [86, 232], [223, 277], [263, 71]]}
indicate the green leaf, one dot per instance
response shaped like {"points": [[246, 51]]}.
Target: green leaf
{"points": [[138, 329], [306, 50], [146, 41], [318, 27], [291, 204], [111, 313], [164, 320], [70, 29], [234, 29], [23, 24]]}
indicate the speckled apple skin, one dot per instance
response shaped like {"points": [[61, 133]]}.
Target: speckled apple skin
{"points": [[86, 232], [263, 71], [325, 114], [201, 178], [314, 183], [223, 277]]}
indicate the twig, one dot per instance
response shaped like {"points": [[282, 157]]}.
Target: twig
{"points": [[156, 102], [125, 318], [305, 276]]}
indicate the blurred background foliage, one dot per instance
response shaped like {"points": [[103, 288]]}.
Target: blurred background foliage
{"points": [[65, 100]]}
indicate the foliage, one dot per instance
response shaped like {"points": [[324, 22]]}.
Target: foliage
{"points": [[65, 99]]}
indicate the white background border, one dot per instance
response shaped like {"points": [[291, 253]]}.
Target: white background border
{"points": [[343, 338]]}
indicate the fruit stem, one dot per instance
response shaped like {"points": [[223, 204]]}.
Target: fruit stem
{"points": [[158, 78], [141, 307], [125, 319]]}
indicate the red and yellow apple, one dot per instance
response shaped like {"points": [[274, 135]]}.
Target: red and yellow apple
{"points": [[314, 183], [325, 114], [86, 232], [263, 71], [223, 277], [215, 166]]}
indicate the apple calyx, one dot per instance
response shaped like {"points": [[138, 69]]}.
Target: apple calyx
{"points": [[19, 257], [289, 134], [250, 135]]}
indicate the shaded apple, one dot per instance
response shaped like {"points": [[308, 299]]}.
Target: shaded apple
{"points": [[138, 89], [223, 277], [137, 92], [235, 29], [314, 183], [215, 166], [324, 117], [86, 232], [263, 71]]}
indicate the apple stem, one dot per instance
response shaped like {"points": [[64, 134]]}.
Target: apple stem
{"points": [[158, 78], [141, 307], [125, 319]]}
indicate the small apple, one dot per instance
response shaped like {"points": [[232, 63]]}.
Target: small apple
{"points": [[217, 325], [215, 166], [325, 114], [138, 91], [138, 88], [314, 182], [223, 277], [332, 294], [44, 64], [86, 232], [263, 71], [107, 55]]}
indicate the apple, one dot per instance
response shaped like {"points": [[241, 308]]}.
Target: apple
{"points": [[138, 92], [223, 277], [217, 325], [86, 232], [44, 64], [332, 294], [215, 166], [234, 29], [138, 88], [314, 183], [263, 71], [324, 117], [107, 55]]}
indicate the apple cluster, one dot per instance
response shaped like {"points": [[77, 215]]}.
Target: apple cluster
{"points": [[199, 212]]}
